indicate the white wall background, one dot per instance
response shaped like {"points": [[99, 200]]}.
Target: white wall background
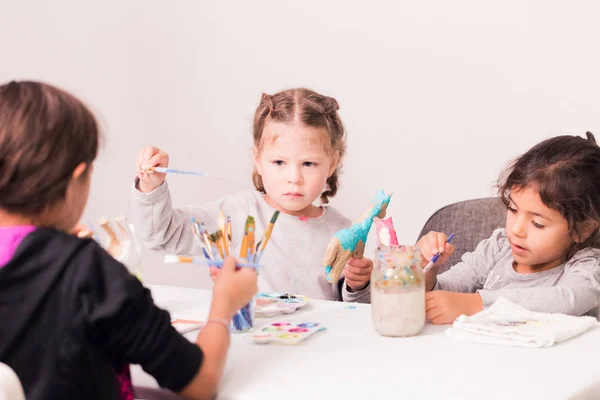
{"points": [[436, 96]]}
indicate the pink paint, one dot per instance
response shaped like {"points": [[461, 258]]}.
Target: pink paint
{"points": [[298, 330], [386, 234]]}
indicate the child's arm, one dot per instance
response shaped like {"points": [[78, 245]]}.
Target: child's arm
{"points": [[233, 289], [470, 273], [160, 226], [575, 293], [124, 323], [455, 290], [157, 223]]}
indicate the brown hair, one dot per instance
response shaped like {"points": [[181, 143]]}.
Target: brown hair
{"points": [[565, 171], [314, 110], [45, 133]]}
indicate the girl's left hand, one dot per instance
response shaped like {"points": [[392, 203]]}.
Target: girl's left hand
{"points": [[444, 307], [358, 273]]}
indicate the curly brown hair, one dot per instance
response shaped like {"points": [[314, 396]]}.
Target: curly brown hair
{"points": [[314, 110]]}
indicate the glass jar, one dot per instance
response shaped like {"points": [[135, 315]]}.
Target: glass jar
{"points": [[243, 320], [398, 291]]}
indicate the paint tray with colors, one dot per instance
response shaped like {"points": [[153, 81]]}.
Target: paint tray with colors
{"points": [[275, 303], [285, 332]]}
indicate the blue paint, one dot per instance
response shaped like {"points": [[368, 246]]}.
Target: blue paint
{"points": [[350, 237], [359, 231], [308, 325]]}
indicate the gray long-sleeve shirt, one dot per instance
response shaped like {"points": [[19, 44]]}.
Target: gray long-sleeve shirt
{"points": [[570, 288], [292, 259]]}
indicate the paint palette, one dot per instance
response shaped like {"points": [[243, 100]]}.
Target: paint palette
{"points": [[271, 304], [285, 332]]}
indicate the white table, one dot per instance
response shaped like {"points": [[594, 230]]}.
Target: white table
{"points": [[351, 361]]}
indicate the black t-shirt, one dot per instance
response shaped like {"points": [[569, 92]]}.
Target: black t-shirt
{"points": [[71, 316]]}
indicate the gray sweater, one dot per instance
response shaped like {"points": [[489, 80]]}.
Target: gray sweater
{"points": [[571, 288], [292, 259]]}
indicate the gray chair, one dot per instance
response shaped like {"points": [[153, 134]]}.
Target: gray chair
{"points": [[471, 221]]}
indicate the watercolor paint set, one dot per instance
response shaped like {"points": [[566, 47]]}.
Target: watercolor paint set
{"points": [[275, 303], [285, 332]]}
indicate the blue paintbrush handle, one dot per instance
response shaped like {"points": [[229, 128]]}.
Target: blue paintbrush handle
{"points": [[219, 263], [435, 258], [178, 171], [169, 259]]}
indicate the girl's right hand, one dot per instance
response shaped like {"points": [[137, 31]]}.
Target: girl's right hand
{"points": [[432, 244], [234, 287], [147, 158]]}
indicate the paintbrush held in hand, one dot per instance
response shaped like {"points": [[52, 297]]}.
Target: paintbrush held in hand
{"points": [[260, 247], [164, 170]]}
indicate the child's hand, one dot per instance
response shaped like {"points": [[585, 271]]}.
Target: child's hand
{"points": [[444, 307], [433, 243], [147, 158], [358, 273], [233, 288]]}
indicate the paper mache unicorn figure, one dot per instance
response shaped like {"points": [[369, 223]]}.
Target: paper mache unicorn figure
{"points": [[350, 242], [122, 246]]}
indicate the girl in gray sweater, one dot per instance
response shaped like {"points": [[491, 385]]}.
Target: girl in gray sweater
{"points": [[299, 142], [547, 258]]}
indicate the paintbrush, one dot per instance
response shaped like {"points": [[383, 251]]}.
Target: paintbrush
{"points": [[164, 170], [197, 230], [215, 238], [266, 236], [171, 259], [251, 227], [211, 249], [229, 235], [223, 231], [244, 247], [91, 226], [435, 258]]}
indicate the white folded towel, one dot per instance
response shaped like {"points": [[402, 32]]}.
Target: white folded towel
{"points": [[506, 323]]}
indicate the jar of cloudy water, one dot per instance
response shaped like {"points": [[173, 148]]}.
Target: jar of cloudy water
{"points": [[398, 291]]}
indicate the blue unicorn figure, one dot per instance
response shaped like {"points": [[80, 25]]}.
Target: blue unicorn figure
{"points": [[350, 242]]}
